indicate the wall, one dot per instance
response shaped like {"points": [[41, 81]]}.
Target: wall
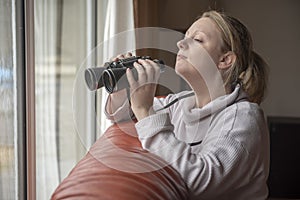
{"points": [[179, 14], [275, 28], [274, 25]]}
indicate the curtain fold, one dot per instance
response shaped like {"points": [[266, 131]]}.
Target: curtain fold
{"points": [[46, 94], [119, 19]]}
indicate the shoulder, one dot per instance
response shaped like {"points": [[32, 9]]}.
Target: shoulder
{"points": [[246, 115], [244, 122], [237, 113]]}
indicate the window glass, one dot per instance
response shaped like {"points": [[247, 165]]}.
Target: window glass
{"points": [[7, 95]]}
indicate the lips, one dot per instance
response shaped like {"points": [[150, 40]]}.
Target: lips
{"points": [[180, 56]]}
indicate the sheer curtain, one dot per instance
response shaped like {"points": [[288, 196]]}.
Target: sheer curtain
{"points": [[119, 25], [68, 35], [46, 56]]}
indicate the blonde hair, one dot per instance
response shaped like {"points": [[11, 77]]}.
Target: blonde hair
{"points": [[249, 69]]}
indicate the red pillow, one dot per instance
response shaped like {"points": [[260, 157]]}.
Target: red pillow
{"points": [[116, 167]]}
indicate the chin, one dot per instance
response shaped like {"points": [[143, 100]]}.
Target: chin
{"points": [[182, 68], [178, 69], [180, 72]]}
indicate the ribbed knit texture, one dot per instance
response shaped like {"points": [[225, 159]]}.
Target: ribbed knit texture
{"points": [[232, 162]]}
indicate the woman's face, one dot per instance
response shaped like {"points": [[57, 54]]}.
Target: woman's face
{"points": [[200, 51]]}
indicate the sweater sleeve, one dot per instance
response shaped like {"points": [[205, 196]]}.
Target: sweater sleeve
{"points": [[217, 169], [123, 113]]}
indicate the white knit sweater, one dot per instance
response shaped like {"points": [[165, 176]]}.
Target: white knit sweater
{"points": [[220, 150]]}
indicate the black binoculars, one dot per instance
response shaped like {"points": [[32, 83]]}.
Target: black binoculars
{"points": [[113, 74]]}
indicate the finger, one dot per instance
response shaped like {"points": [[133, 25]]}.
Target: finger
{"points": [[154, 64], [121, 56], [142, 76], [128, 55], [156, 69], [114, 59], [131, 80], [150, 70]]}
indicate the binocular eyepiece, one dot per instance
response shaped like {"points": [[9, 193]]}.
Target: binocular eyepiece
{"points": [[113, 74]]}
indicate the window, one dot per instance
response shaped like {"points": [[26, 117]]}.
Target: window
{"points": [[7, 103], [11, 102], [64, 35]]}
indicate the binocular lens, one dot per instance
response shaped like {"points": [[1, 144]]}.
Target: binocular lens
{"points": [[109, 80], [115, 79], [93, 78]]}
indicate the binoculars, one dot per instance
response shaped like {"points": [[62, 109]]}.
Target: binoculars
{"points": [[113, 74]]}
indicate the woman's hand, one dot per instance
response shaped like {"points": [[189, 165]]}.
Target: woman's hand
{"points": [[143, 89]]}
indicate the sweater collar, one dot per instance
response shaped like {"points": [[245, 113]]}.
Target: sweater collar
{"points": [[192, 114]]}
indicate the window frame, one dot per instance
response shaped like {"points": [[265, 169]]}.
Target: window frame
{"points": [[30, 159]]}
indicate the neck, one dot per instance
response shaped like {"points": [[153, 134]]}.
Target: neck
{"points": [[202, 98], [204, 95]]}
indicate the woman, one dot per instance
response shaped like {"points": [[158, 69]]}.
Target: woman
{"points": [[215, 136]]}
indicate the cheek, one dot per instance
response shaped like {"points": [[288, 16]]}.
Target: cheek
{"points": [[215, 56], [202, 59], [199, 62]]}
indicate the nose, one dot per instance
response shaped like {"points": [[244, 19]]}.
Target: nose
{"points": [[182, 44]]}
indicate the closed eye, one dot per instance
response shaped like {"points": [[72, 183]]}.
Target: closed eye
{"points": [[198, 40]]}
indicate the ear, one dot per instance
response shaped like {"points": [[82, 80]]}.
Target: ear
{"points": [[227, 60]]}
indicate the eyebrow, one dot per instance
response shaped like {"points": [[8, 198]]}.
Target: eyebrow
{"points": [[197, 32]]}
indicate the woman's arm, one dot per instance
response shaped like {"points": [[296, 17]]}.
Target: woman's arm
{"points": [[115, 101], [117, 107], [224, 164]]}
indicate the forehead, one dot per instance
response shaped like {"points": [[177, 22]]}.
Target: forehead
{"points": [[205, 25]]}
